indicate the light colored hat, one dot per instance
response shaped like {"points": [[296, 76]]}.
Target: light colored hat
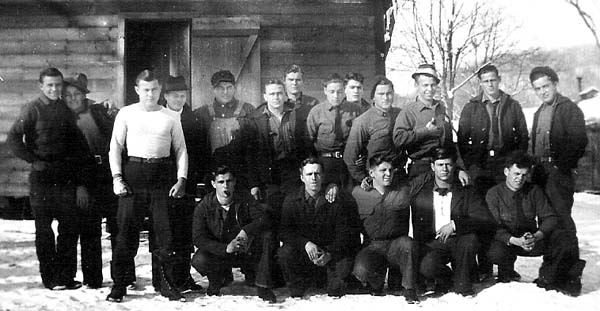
{"points": [[427, 70]]}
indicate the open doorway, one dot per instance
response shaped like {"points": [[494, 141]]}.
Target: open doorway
{"points": [[163, 46]]}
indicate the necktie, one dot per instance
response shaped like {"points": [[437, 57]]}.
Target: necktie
{"points": [[495, 128], [442, 191], [339, 133]]}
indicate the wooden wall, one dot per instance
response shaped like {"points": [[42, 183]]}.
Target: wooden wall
{"points": [[83, 36]]}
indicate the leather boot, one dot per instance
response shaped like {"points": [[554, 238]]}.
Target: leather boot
{"points": [[166, 286]]}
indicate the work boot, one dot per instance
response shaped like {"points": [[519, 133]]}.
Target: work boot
{"points": [[166, 286], [266, 294], [573, 285], [116, 294], [410, 295]]}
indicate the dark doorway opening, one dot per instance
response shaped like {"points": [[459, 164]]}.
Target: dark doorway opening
{"points": [[162, 46]]}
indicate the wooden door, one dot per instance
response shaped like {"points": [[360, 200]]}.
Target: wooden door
{"points": [[229, 43]]}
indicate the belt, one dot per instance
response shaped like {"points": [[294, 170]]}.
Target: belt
{"points": [[334, 154], [149, 160], [492, 153], [99, 159], [547, 159]]}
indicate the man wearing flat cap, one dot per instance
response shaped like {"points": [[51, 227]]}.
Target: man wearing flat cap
{"points": [[96, 126], [423, 125], [222, 121]]}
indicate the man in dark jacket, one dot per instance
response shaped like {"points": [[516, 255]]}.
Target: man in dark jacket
{"points": [[232, 230], [45, 135], [528, 226], [446, 220], [558, 140], [318, 237], [96, 125], [491, 126]]}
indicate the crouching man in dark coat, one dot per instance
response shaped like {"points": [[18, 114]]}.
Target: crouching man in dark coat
{"points": [[319, 237], [529, 226], [232, 230]]}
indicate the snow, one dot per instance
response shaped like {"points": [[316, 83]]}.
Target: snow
{"points": [[21, 289]]}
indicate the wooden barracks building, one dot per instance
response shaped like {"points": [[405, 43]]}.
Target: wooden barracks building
{"points": [[113, 40]]}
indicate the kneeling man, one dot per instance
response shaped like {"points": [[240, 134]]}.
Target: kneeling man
{"points": [[529, 226], [232, 230]]}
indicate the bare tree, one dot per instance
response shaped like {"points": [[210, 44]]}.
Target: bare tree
{"points": [[587, 19]]}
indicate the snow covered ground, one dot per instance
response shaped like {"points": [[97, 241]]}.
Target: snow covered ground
{"points": [[21, 289]]}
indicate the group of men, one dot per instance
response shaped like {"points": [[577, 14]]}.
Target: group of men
{"points": [[329, 180]]}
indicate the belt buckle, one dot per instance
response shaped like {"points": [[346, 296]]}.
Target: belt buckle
{"points": [[98, 159], [492, 153], [337, 154]]}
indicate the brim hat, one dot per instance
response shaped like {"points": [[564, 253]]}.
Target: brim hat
{"points": [[80, 81], [175, 84], [222, 76], [427, 70]]}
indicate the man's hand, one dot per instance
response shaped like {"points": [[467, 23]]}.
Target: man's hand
{"points": [[312, 250], [255, 192], [445, 232], [367, 183], [234, 246], [331, 192], [464, 178], [323, 259], [39, 165], [83, 198], [522, 242], [361, 161], [120, 188], [430, 126], [178, 189]]}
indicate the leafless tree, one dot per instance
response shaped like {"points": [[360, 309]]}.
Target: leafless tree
{"points": [[587, 19]]}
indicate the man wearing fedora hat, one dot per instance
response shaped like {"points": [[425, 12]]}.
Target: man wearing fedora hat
{"points": [[423, 125], [222, 121], [175, 93], [96, 125]]}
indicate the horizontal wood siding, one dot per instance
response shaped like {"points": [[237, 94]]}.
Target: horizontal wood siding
{"points": [[322, 36]]}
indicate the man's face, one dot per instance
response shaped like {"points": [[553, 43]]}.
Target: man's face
{"points": [[354, 91], [515, 177], [74, 98], [149, 92], [334, 93], [176, 99], [426, 87], [443, 169], [490, 83], [224, 185], [224, 92], [312, 177], [382, 174], [294, 83], [383, 97], [51, 87], [545, 89], [274, 96]]}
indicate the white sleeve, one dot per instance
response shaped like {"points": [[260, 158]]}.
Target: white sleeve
{"points": [[117, 143], [178, 144]]}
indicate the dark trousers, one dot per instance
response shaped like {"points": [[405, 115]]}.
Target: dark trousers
{"points": [[559, 187], [90, 235], [559, 251], [336, 172], [372, 261], [459, 251], [301, 272], [57, 258], [150, 184], [255, 264]]}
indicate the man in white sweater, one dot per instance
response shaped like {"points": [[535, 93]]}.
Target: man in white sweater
{"points": [[142, 179]]}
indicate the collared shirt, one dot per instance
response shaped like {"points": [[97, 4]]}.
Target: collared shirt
{"points": [[411, 134], [96, 141], [227, 110], [492, 104], [371, 134], [321, 125], [442, 208], [282, 132], [542, 143], [384, 216]]}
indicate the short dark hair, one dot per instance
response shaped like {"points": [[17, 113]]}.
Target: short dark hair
{"points": [[220, 170], [380, 80], [486, 69], [271, 82], [519, 158], [332, 78], [354, 76], [293, 68], [377, 159], [146, 75], [442, 153], [50, 72], [542, 71], [310, 160]]}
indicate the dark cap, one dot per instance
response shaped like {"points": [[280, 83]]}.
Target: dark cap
{"points": [[426, 70], [441, 153], [175, 84], [80, 81], [222, 76]]}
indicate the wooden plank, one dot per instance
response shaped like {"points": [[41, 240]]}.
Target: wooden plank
{"points": [[85, 34], [319, 35], [225, 23], [330, 46], [56, 60], [248, 47], [15, 86], [41, 47], [316, 20], [93, 71], [318, 59], [58, 21], [14, 190]]}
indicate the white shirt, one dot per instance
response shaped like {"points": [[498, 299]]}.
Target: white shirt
{"points": [[147, 134], [441, 206]]}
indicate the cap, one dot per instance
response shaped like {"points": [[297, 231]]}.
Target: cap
{"points": [[175, 84], [222, 76]]}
